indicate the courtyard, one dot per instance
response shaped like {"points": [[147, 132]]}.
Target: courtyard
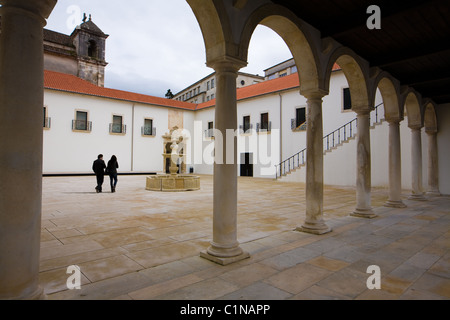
{"points": [[141, 245]]}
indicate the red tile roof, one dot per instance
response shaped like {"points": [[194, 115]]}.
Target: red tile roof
{"points": [[68, 83], [265, 87], [262, 88]]}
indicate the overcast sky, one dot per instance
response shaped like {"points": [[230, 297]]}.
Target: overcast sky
{"points": [[156, 45]]}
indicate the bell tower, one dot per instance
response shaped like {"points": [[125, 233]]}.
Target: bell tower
{"points": [[90, 43]]}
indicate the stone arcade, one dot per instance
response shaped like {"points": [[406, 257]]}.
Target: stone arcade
{"points": [[226, 45]]}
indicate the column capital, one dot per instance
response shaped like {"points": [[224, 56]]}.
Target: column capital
{"points": [[42, 8], [314, 95], [431, 130], [394, 121], [226, 64], [362, 111], [415, 128]]}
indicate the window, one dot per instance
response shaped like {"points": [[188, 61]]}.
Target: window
{"points": [[212, 96], [294, 69], [92, 49], [265, 124], [208, 85], [213, 84], [284, 74], [47, 120], [117, 125], [299, 123], [246, 124], [81, 122], [148, 129], [243, 83], [347, 99], [210, 132], [300, 116]]}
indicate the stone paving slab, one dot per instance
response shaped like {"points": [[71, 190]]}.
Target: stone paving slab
{"points": [[142, 245]]}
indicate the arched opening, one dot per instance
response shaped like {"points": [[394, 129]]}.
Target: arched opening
{"points": [[430, 119], [92, 49], [390, 98], [413, 111]]}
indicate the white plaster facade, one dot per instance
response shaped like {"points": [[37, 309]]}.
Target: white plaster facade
{"points": [[67, 151]]}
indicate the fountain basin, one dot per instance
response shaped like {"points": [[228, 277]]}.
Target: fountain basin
{"points": [[173, 183]]}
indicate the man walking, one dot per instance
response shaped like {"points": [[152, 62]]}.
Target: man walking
{"points": [[99, 169]]}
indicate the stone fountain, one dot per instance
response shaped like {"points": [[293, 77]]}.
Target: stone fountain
{"points": [[175, 178]]}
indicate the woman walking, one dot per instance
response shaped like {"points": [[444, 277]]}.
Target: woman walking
{"points": [[111, 169]]}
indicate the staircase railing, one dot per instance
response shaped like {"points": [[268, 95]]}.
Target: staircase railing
{"points": [[330, 141]]}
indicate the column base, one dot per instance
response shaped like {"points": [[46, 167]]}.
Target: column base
{"points": [[317, 229], [224, 255], [364, 213], [417, 197], [38, 294], [433, 193], [395, 204], [224, 260]]}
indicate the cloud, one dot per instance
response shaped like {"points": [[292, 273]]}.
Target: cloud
{"points": [[155, 45]]}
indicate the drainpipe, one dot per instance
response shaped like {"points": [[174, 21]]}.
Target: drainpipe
{"points": [[281, 126], [132, 138]]}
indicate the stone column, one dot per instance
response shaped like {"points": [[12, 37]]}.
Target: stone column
{"points": [[363, 164], [314, 222], [225, 248], [21, 103], [433, 169], [395, 166], [416, 156]]}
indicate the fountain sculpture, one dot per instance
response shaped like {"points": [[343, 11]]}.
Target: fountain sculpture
{"points": [[175, 178]]}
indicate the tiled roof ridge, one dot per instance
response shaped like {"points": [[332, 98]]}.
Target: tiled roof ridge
{"points": [[70, 83]]}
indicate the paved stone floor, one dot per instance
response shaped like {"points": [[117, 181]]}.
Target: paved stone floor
{"points": [[142, 245]]}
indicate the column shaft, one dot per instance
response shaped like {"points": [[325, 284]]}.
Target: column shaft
{"points": [[395, 167], [21, 103], [416, 156], [225, 248], [363, 165], [314, 222], [433, 165]]}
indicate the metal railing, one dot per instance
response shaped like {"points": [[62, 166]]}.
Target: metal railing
{"points": [[148, 131], [47, 123], [330, 141], [117, 128], [82, 125]]}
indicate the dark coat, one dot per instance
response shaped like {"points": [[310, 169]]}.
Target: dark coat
{"points": [[99, 167], [112, 167]]}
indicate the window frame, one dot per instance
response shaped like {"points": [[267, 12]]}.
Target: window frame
{"points": [[123, 127], [88, 127]]}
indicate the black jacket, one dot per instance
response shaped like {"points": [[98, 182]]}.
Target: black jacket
{"points": [[98, 167], [112, 167]]}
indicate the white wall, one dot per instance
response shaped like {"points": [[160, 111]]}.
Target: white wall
{"points": [[203, 155], [69, 151], [148, 150], [443, 118]]}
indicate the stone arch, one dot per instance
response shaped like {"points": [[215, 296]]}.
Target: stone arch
{"points": [[413, 110], [356, 71], [213, 31], [298, 37], [390, 92], [430, 118]]}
